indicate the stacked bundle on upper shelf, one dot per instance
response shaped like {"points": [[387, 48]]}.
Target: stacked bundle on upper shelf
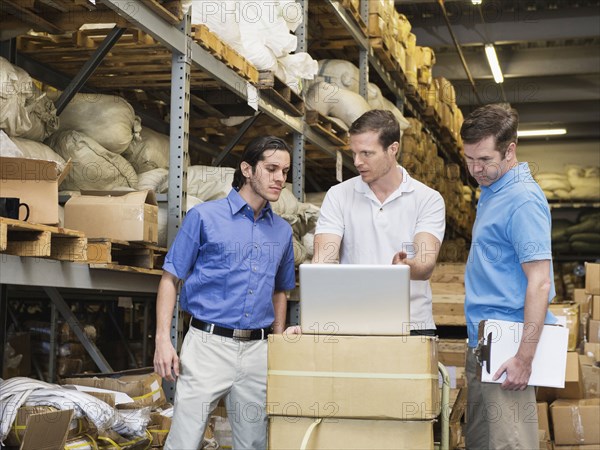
{"points": [[575, 183], [580, 237], [260, 31]]}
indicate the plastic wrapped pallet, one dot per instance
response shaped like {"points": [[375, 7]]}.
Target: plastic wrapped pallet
{"points": [[108, 119], [94, 167]]}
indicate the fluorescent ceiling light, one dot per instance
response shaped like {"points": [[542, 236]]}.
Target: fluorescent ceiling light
{"points": [[476, 2], [546, 132], [492, 58]]}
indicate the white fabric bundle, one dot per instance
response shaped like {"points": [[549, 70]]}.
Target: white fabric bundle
{"points": [[340, 73], [157, 180], [24, 110], [291, 69], [329, 100], [108, 119], [8, 148], [585, 182], [148, 153], [19, 391], [94, 167], [209, 183], [550, 181], [258, 30], [37, 150]]}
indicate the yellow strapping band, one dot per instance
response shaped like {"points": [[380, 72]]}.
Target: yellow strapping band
{"points": [[149, 394], [309, 433], [324, 374]]}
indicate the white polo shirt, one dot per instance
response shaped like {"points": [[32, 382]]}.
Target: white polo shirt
{"points": [[373, 232]]}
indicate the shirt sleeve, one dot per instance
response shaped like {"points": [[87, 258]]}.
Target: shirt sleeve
{"points": [[285, 279], [529, 231], [432, 217], [331, 217], [184, 251]]}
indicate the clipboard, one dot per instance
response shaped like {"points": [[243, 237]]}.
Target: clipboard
{"points": [[499, 340]]}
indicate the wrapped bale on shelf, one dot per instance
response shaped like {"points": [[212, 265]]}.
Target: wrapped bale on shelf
{"points": [[108, 119], [94, 167], [585, 182], [25, 111], [329, 100], [149, 152], [37, 150]]}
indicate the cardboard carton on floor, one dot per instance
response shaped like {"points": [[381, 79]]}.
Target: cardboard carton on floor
{"points": [[576, 422], [144, 386], [543, 422], [577, 447], [592, 278], [334, 434], [592, 349], [46, 430], [34, 182], [367, 377], [573, 383], [126, 216], [570, 314], [591, 376], [595, 314], [593, 334]]}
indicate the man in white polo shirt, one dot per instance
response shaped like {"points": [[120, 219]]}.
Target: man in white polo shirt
{"points": [[383, 216]]}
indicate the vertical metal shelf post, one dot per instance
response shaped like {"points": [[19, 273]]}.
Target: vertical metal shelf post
{"points": [[178, 163], [298, 155], [363, 55]]}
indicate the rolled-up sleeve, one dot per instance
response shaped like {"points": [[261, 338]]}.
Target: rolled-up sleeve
{"points": [[183, 253]]}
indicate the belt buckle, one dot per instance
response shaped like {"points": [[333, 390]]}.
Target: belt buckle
{"points": [[242, 334]]}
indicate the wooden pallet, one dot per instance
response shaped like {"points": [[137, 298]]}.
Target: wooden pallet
{"points": [[26, 239], [352, 8], [225, 53], [171, 11], [114, 252], [276, 91], [331, 130], [412, 93]]}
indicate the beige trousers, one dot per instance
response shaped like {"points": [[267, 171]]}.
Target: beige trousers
{"points": [[213, 367], [498, 419]]}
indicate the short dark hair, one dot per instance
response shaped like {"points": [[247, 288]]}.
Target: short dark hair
{"points": [[254, 152], [380, 121], [498, 120]]}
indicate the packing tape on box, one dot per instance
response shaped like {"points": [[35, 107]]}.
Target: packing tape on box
{"points": [[128, 443], [577, 423], [308, 433], [323, 374]]}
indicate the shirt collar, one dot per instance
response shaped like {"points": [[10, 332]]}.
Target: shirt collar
{"points": [[407, 185], [517, 173], [239, 205]]}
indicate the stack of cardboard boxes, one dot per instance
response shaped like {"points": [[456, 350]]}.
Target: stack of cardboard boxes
{"points": [[572, 414], [390, 29], [332, 392]]}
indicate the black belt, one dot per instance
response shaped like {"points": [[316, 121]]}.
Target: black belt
{"points": [[246, 335]]}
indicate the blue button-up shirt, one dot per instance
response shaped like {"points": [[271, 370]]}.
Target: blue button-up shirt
{"points": [[231, 264], [512, 227]]}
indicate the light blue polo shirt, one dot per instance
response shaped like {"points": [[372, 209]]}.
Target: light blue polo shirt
{"points": [[512, 227]]}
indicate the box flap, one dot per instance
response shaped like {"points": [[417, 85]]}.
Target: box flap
{"points": [[65, 171], [29, 169], [130, 197], [47, 431]]}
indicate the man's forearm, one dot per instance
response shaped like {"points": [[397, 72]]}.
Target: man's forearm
{"points": [[280, 307], [536, 306], [165, 303]]}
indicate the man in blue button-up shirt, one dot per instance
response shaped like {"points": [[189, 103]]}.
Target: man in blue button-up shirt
{"points": [[236, 260], [508, 277]]}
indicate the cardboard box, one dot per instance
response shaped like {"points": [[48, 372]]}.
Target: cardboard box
{"points": [[595, 313], [576, 421], [46, 430], [591, 376], [584, 301], [334, 434], [543, 422], [366, 377], [144, 386], [573, 383], [577, 447], [159, 428], [593, 334], [126, 216], [35, 182], [570, 313], [592, 278]]}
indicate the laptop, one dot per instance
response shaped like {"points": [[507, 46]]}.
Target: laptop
{"points": [[355, 299]]}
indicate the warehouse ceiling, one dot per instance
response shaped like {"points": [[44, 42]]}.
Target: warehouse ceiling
{"points": [[549, 53]]}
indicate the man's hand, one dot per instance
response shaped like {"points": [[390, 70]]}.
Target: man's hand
{"points": [[517, 374], [166, 361], [400, 258], [294, 329]]}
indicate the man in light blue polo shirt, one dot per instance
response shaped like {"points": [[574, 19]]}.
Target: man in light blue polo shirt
{"points": [[236, 260], [508, 277]]}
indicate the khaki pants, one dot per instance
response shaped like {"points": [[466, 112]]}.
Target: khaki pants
{"points": [[498, 419], [212, 367]]}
